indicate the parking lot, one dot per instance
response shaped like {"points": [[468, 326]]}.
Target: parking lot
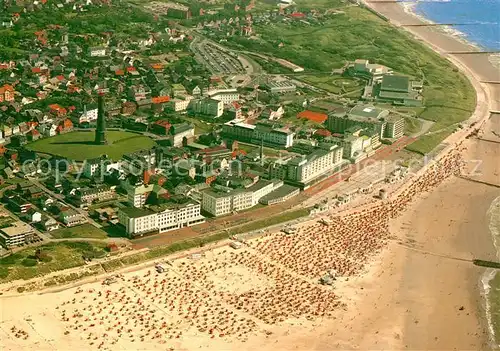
{"points": [[217, 60]]}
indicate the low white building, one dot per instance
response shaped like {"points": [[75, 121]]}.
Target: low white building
{"points": [[160, 219], [225, 95], [180, 104], [88, 116], [220, 202]]}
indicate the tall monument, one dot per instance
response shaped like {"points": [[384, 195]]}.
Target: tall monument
{"points": [[100, 131]]}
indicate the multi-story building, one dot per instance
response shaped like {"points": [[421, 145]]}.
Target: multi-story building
{"points": [[98, 194], [179, 104], [305, 169], [259, 133], [227, 96], [394, 127], [71, 218], [137, 195], [207, 107], [160, 219], [7, 93], [92, 167], [88, 115], [138, 221], [18, 233], [180, 131], [223, 201]]}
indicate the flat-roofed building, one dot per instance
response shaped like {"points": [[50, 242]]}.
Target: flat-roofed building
{"points": [[160, 218], [208, 107], [18, 233], [307, 168], [138, 221], [394, 127], [224, 201], [259, 133], [280, 86], [227, 96]]}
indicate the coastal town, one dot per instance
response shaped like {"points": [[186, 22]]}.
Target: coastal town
{"points": [[250, 180]]}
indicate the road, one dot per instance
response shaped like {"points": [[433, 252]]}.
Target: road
{"points": [[61, 198]]}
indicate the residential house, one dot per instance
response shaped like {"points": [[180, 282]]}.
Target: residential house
{"points": [[72, 218], [7, 93]]}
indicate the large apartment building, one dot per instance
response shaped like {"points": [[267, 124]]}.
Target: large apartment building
{"points": [[369, 118], [259, 133], [160, 219], [219, 202], [208, 107], [307, 168]]}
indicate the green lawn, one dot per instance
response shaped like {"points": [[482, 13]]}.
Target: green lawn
{"points": [[79, 145], [412, 126], [82, 231], [59, 256], [427, 143]]}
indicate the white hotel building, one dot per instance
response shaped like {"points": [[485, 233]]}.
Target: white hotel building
{"points": [[219, 203], [159, 219]]}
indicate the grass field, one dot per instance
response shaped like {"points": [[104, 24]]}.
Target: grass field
{"points": [[79, 145], [23, 265], [427, 143], [82, 231]]}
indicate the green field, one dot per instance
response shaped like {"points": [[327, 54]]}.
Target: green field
{"points": [[427, 143], [23, 265], [82, 231], [79, 145]]}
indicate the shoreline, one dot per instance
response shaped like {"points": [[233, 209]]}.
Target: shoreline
{"points": [[476, 69]]}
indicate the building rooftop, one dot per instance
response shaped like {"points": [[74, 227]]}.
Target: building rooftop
{"points": [[135, 212], [16, 228], [367, 112], [395, 83]]}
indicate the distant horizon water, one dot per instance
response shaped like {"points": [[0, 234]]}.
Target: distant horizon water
{"points": [[482, 18]]}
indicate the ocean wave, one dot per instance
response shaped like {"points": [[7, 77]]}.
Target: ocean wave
{"points": [[494, 226]]}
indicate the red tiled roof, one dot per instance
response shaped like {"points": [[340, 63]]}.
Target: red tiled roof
{"points": [[119, 72], [131, 69], [160, 99], [313, 116], [298, 15], [5, 88], [163, 123], [36, 70], [323, 132], [57, 107]]}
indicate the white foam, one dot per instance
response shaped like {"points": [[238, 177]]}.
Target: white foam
{"points": [[494, 226]]}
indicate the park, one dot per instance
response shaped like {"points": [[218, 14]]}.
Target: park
{"points": [[79, 145]]}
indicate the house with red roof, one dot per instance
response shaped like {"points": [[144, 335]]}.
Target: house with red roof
{"points": [[160, 99], [57, 110], [323, 133], [33, 135], [7, 93], [161, 127], [65, 126], [312, 116]]}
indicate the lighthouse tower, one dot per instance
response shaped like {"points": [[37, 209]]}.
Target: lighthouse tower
{"points": [[100, 131]]}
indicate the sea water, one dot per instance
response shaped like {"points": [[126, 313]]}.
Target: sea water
{"points": [[478, 20], [491, 278]]}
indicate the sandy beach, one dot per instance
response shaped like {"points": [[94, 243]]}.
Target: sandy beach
{"points": [[404, 277]]}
